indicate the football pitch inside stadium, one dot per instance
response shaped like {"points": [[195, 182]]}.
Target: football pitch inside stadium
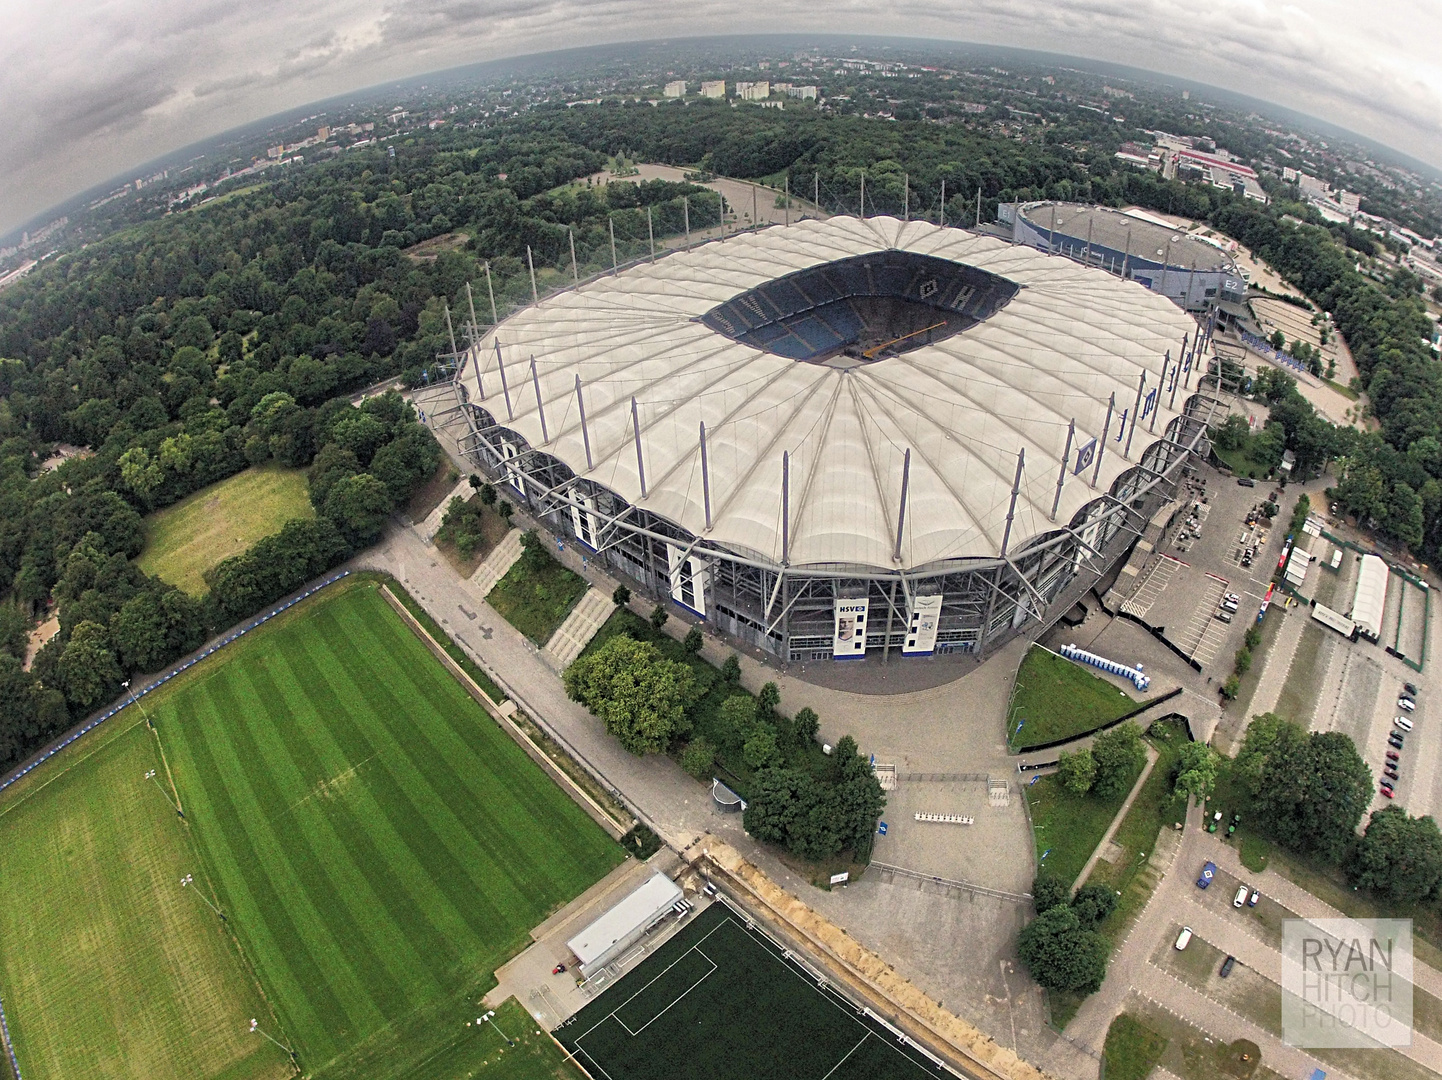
{"points": [[721, 1000]]}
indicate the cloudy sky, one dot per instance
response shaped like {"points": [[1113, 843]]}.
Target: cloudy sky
{"points": [[90, 88]]}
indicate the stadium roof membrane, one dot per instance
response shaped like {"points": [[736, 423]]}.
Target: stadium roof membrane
{"points": [[1052, 353]]}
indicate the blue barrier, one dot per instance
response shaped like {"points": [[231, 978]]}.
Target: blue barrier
{"points": [[1140, 680], [136, 695]]}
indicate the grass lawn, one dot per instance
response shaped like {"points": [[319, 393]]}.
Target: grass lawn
{"points": [[537, 594], [183, 541], [108, 968], [1303, 685], [1068, 827], [477, 1050], [1155, 809], [1242, 463], [1242, 704], [1132, 1049], [1058, 699], [379, 844]]}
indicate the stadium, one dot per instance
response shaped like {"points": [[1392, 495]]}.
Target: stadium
{"points": [[847, 436]]}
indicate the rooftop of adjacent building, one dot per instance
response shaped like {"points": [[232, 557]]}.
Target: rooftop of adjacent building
{"points": [[1140, 234]]}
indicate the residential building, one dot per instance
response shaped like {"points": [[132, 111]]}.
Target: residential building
{"points": [[714, 89], [675, 89]]}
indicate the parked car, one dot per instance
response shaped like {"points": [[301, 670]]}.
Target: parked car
{"points": [[1411, 690], [1252, 900], [1406, 703], [1246, 481], [1209, 871], [1183, 938], [1387, 790], [1229, 605], [1233, 597], [1395, 738], [1224, 616], [1402, 722], [1227, 965], [1391, 774], [1392, 755], [1241, 897]]}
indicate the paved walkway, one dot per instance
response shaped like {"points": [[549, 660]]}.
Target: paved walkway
{"points": [[580, 627], [1116, 824], [502, 557], [1279, 662]]}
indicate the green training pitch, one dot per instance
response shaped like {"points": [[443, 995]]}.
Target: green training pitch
{"points": [[379, 844], [721, 1001], [183, 541], [108, 967]]}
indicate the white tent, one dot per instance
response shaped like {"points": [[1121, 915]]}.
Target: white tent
{"points": [[1370, 600]]}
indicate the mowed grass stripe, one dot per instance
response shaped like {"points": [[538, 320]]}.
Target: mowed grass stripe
{"points": [[483, 844], [327, 876], [516, 795], [308, 1006], [373, 821], [442, 842], [284, 861], [390, 844]]}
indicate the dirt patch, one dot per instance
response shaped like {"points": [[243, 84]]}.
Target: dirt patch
{"points": [[39, 636], [428, 250]]}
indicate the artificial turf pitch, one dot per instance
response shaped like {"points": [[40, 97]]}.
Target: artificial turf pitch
{"points": [[722, 1001], [379, 844]]}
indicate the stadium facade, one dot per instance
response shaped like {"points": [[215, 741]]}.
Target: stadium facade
{"points": [[846, 437], [1192, 272]]}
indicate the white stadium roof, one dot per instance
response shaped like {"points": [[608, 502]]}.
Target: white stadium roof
{"points": [[964, 406]]}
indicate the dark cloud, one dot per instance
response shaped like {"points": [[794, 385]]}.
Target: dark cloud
{"points": [[92, 87]]}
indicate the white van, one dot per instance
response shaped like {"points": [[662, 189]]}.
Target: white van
{"points": [[1184, 937], [1241, 897], [1402, 722]]}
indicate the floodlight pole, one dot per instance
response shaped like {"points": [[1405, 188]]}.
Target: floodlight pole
{"points": [[1102, 446], [189, 879], [863, 194], [978, 207], [1088, 256], [475, 330], [1061, 473], [640, 464], [705, 477], [905, 196], [1015, 491], [723, 213], [450, 331], [1176, 378], [585, 432], [492, 294], [1136, 415], [575, 271], [1126, 253], [506, 390], [255, 1028], [488, 1019], [786, 197], [755, 212], [540, 405], [535, 297], [816, 193], [611, 224], [901, 510], [943, 202], [650, 234], [686, 217]]}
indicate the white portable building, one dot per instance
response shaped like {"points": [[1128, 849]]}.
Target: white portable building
{"points": [[623, 925], [1370, 600]]}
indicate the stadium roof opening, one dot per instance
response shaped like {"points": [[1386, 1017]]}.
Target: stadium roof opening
{"points": [[864, 308]]}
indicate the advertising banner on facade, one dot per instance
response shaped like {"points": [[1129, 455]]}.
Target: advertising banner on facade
{"points": [[850, 634], [688, 579], [921, 629]]}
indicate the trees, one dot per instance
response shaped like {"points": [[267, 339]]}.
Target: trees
{"points": [[1047, 892], [639, 695], [87, 671], [1092, 904], [1119, 753], [1399, 856], [358, 506], [698, 757], [693, 641], [1313, 791], [621, 597], [1061, 954], [1196, 774], [1076, 771]]}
